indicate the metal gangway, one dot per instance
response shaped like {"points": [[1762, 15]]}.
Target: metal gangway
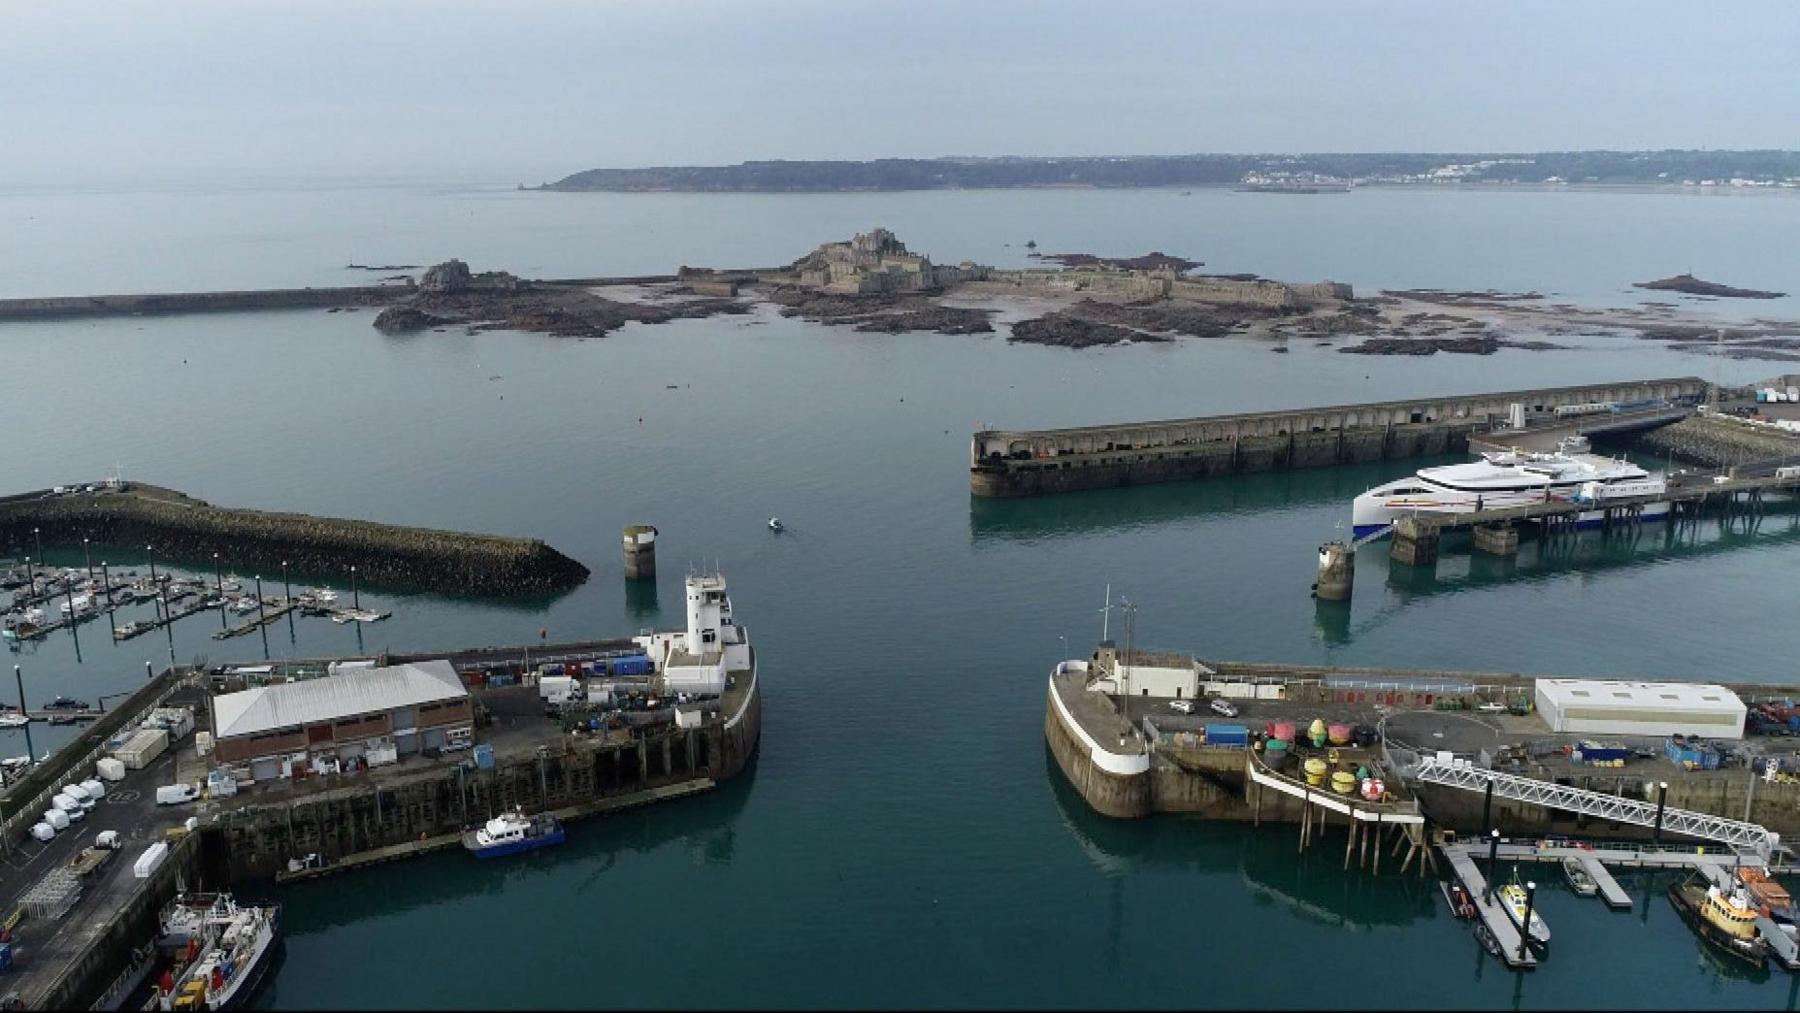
{"points": [[1749, 838]]}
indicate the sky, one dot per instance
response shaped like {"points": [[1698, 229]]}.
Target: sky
{"points": [[531, 90]]}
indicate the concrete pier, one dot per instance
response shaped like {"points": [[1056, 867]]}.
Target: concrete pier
{"points": [[1337, 572], [640, 552], [1497, 539], [1034, 462], [1415, 544]]}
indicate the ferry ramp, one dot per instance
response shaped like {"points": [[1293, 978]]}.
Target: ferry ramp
{"points": [[1546, 438]]}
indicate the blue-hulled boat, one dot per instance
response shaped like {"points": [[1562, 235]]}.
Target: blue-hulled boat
{"points": [[512, 833]]}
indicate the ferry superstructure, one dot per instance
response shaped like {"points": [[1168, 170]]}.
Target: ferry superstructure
{"points": [[1507, 479]]}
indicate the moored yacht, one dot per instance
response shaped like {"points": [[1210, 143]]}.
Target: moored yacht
{"points": [[1510, 479]]}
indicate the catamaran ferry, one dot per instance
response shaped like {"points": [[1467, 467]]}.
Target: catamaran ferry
{"points": [[1508, 479]]}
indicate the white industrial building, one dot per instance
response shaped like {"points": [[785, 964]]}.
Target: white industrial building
{"points": [[1148, 674], [697, 661], [1621, 707]]}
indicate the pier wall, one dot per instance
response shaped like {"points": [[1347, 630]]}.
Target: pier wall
{"points": [[1122, 796], [185, 528], [63, 307], [359, 813], [1032, 462], [105, 947]]}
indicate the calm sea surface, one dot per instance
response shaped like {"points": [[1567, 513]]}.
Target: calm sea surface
{"points": [[903, 838]]}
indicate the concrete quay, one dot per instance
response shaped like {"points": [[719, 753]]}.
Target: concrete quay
{"points": [[1126, 758], [1035, 462], [348, 821]]}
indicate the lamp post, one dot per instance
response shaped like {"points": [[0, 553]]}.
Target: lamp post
{"points": [[219, 586], [1487, 807], [1662, 794], [155, 585], [286, 590], [38, 538], [1493, 869], [259, 601], [19, 677], [355, 597], [30, 577], [1525, 925], [88, 557]]}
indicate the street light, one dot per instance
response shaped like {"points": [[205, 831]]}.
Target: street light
{"points": [[88, 557], [19, 677], [286, 591], [259, 601], [37, 537], [355, 598]]}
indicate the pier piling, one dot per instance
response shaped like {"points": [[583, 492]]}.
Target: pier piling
{"points": [[1497, 539], [1337, 572], [640, 552]]}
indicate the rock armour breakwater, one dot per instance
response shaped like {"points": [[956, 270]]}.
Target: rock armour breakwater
{"points": [[61, 307], [181, 527]]}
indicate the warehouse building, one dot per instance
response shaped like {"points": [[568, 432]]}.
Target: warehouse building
{"points": [[1619, 707], [370, 715]]}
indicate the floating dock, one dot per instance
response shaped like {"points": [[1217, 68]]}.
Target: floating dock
{"points": [[1513, 950]]}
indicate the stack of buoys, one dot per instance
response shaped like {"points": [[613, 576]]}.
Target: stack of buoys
{"points": [[1275, 753], [1316, 732], [1338, 733], [1283, 730], [1343, 782], [1315, 771]]}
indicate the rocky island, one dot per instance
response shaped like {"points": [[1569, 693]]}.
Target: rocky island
{"points": [[1690, 285]]}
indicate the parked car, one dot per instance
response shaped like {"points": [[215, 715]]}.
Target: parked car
{"points": [[1492, 707], [1224, 708], [1182, 706]]}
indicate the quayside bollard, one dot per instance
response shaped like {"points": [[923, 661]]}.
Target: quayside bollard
{"points": [[640, 552], [1337, 572]]}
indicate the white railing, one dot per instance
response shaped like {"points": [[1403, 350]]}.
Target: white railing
{"points": [[1461, 774]]}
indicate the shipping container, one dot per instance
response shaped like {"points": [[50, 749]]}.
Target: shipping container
{"points": [[1600, 752], [151, 858], [1227, 735], [109, 769], [631, 664], [484, 756], [143, 748]]}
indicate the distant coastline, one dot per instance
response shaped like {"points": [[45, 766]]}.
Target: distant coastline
{"points": [[1700, 170]]}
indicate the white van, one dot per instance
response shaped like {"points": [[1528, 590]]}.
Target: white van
{"points": [[176, 794]]}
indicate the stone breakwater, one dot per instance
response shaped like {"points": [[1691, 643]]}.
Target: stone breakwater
{"points": [[1720, 442], [61, 307], [183, 528]]}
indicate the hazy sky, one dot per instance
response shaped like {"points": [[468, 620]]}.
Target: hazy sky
{"points": [[531, 90]]}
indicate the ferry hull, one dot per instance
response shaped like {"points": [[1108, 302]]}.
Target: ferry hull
{"points": [[259, 969], [1584, 520], [513, 847]]}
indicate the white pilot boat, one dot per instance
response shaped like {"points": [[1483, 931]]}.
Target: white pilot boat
{"points": [[1510, 479]]}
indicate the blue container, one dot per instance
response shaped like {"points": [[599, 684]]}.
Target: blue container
{"points": [[631, 664], [484, 756], [1227, 735], [5, 956]]}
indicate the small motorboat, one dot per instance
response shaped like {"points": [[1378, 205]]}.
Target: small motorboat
{"points": [[66, 703], [776, 525], [245, 604], [1458, 898], [1771, 894], [13, 719], [1512, 899], [1579, 880], [512, 833]]}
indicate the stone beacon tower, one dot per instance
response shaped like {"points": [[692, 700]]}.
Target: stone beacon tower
{"points": [[1337, 572], [640, 552]]}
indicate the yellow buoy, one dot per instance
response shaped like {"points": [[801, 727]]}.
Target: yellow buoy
{"points": [[1315, 771], [1343, 782]]}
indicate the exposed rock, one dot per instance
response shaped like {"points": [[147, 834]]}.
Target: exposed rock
{"points": [[1694, 286], [1155, 260], [382, 267], [1066, 331], [1471, 345], [942, 319], [450, 276], [1163, 315], [406, 320]]}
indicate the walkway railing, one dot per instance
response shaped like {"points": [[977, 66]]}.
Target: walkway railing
{"points": [[1751, 837]]}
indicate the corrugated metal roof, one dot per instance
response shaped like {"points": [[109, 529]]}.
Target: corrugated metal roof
{"points": [[358, 691], [1633, 695]]}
